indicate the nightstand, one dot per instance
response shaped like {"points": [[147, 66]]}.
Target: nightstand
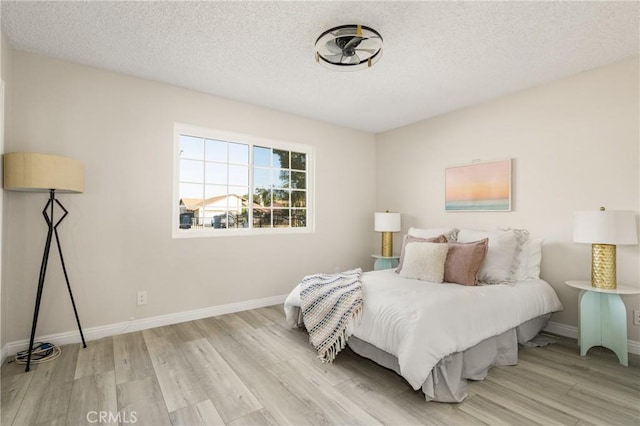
{"points": [[602, 318], [385, 262]]}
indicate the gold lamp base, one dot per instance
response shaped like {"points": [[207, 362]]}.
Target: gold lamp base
{"points": [[603, 266], [387, 244]]}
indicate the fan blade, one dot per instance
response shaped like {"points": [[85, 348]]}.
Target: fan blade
{"points": [[371, 43], [372, 51], [353, 43], [335, 59], [333, 47], [353, 59]]}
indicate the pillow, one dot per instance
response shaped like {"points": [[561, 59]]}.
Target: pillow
{"points": [[410, 239], [449, 233], [464, 261], [526, 262], [529, 260], [522, 236], [425, 261], [501, 251]]}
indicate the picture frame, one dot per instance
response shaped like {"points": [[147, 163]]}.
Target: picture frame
{"points": [[479, 186]]}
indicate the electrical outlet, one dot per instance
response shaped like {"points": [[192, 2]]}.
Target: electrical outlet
{"points": [[636, 317], [141, 298]]}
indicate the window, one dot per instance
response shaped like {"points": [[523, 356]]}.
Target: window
{"points": [[227, 183]]}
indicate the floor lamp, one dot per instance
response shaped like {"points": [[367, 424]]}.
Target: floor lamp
{"points": [[32, 172]]}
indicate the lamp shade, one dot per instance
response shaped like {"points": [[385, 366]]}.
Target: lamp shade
{"points": [[387, 222], [615, 227], [30, 171]]}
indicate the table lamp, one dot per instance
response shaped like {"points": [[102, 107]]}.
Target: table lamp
{"points": [[604, 229], [387, 223], [33, 172]]}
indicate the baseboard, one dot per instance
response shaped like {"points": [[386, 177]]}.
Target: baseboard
{"points": [[633, 347], [562, 329], [95, 333]]}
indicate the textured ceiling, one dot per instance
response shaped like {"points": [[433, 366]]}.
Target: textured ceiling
{"points": [[438, 56]]}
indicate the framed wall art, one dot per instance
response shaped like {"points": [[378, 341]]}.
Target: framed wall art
{"points": [[479, 186]]}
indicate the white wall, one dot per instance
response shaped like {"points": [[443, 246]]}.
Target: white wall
{"points": [[5, 81], [121, 128], [574, 143], [575, 146]]}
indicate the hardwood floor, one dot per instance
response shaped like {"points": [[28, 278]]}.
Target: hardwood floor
{"points": [[251, 368]]}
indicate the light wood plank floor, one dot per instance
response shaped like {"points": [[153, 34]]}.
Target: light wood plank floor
{"points": [[251, 368]]}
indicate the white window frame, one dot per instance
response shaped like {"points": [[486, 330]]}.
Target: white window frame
{"points": [[217, 134]]}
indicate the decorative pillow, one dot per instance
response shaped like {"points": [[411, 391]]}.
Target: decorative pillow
{"points": [[449, 233], [501, 251], [410, 239], [464, 261], [425, 261]]}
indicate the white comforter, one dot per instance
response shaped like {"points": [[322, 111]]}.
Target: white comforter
{"points": [[420, 322]]}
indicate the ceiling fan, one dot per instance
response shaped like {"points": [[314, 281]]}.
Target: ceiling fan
{"points": [[349, 47]]}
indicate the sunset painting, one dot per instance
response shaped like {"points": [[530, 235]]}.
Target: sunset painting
{"points": [[479, 187]]}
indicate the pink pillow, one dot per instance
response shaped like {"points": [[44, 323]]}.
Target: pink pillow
{"points": [[464, 261], [411, 239]]}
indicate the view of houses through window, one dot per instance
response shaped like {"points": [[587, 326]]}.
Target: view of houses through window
{"points": [[229, 185]]}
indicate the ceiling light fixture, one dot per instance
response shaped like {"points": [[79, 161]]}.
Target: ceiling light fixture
{"points": [[349, 48]]}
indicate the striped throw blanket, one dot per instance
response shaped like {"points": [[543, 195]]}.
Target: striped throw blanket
{"points": [[329, 303]]}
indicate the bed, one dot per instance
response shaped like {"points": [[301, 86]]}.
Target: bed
{"points": [[438, 335]]}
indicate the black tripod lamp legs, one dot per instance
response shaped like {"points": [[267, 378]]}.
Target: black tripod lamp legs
{"points": [[53, 229]]}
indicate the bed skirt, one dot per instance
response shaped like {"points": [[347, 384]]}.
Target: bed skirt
{"points": [[447, 382]]}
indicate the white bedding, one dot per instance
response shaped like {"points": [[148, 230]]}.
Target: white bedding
{"points": [[421, 322]]}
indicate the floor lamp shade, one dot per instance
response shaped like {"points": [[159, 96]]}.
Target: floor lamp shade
{"points": [[30, 171], [387, 223], [604, 229]]}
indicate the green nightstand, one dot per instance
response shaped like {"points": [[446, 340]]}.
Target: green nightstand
{"points": [[385, 262], [602, 318]]}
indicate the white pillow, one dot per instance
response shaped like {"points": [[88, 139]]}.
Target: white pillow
{"points": [[526, 262], [500, 254], [522, 236], [450, 233], [529, 260], [424, 261]]}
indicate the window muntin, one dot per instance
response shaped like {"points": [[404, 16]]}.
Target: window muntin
{"points": [[274, 180], [242, 184]]}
